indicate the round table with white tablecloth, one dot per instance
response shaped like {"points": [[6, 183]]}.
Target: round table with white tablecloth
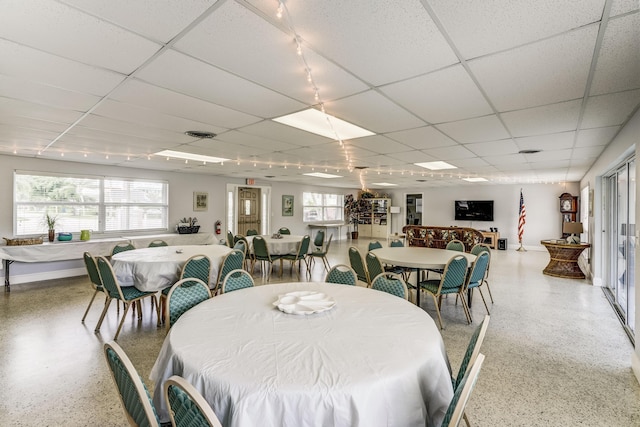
{"points": [[153, 269], [371, 360], [283, 245]]}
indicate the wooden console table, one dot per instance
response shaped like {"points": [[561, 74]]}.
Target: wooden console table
{"points": [[492, 236], [564, 259]]}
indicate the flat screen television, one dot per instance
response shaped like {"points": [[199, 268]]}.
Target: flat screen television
{"points": [[474, 210]]}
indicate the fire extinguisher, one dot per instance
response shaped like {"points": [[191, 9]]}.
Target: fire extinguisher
{"points": [[218, 227]]}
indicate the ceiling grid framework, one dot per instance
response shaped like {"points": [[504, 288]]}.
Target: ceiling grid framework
{"points": [[470, 84]]}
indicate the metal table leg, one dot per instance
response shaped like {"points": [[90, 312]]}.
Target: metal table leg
{"points": [[7, 285]]}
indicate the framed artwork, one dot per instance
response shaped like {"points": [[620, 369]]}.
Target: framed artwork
{"points": [[287, 205], [200, 201]]}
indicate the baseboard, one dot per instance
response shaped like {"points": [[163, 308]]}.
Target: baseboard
{"points": [[47, 275], [635, 365]]}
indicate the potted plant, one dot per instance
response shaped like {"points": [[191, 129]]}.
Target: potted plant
{"points": [[351, 213], [51, 225]]}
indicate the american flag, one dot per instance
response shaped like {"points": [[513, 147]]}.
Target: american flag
{"points": [[522, 219]]}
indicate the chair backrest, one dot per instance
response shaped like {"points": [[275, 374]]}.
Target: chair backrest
{"points": [[284, 230], [473, 350], [183, 295], [260, 249], [134, 396], [303, 246], [478, 269], [232, 261], [480, 247], [374, 245], [237, 279], [92, 269], [229, 238], [241, 245], [374, 266], [341, 274], [318, 241], [198, 267], [396, 243], [121, 247], [461, 395], [157, 243], [108, 278], [326, 248], [355, 260], [186, 405], [390, 283], [455, 273], [455, 245], [252, 232]]}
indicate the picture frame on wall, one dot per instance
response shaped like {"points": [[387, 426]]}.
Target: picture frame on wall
{"points": [[200, 201], [287, 205]]}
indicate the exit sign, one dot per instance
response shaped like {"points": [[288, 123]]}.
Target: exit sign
{"points": [[251, 181]]}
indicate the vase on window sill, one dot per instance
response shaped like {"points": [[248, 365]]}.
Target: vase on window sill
{"points": [[52, 235]]}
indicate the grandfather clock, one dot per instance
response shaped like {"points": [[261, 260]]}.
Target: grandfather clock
{"points": [[568, 209]]}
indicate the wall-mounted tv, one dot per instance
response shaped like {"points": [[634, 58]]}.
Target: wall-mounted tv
{"points": [[474, 210]]}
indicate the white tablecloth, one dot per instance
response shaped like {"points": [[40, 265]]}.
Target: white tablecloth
{"points": [[288, 244], [153, 269], [372, 360]]}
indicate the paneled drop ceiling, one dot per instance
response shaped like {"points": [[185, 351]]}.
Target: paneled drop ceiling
{"points": [[469, 83]]}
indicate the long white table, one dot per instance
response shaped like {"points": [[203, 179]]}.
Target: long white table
{"points": [[419, 258], [153, 269], [372, 360]]}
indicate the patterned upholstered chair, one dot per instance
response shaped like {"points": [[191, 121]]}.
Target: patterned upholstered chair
{"points": [[396, 243], [318, 241], [229, 238], [481, 247], [472, 352], [196, 267], [252, 232], [243, 244], [355, 260], [374, 245], [128, 295], [157, 243], [391, 283], [300, 256], [455, 245], [374, 266], [94, 277], [341, 274], [322, 254], [183, 295], [284, 230], [187, 407], [237, 279], [232, 261], [452, 282], [476, 276], [461, 395], [121, 247], [134, 395]]}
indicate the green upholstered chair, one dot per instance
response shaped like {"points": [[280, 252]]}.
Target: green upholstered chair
{"points": [[341, 274], [300, 256], [322, 254], [455, 245], [284, 230], [374, 245], [481, 247], [94, 277], [391, 283], [128, 295], [252, 232], [374, 266], [134, 395], [355, 260], [476, 276], [157, 243], [318, 241], [452, 282], [122, 247], [472, 352], [187, 407], [261, 254], [461, 395], [237, 279], [229, 238], [234, 260], [396, 243], [183, 295], [243, 244]]}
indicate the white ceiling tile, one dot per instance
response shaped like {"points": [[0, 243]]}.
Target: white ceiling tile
{"points": [[488, 128], [378, 41], [36, 93], [279, 132], [422, 138], [508, 159], [545, 72], [183, 74], [596, 136], [543, 120], [475, 164], [618, 7], [414, 156], [482, 27], [114, 129], [374, 112], [618, 66], [32, 124], [380, 144], [256, 141], [378, 161], [450, 153], [29, 110], [158, 19], [609, 110], [554, 141], [442, 96], [493, 148], [549, 156], [179, 105], [67, 32], [551, 163], [587, 152]]}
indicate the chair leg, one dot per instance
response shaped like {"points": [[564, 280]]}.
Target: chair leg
{"points": [[124, 316], [435, 300], [89, 306], [465, 307], [104, 312], [327, 266], [489, 289], [483, 300], [466, 420]]}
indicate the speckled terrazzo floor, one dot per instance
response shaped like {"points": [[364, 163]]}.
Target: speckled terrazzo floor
{"points": [[556, 354]]}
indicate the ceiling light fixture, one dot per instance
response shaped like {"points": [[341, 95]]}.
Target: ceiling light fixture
{"points": [[322, 175], [314, 121], [476, 179], [436, 165], [385, 184], [190, 156]]}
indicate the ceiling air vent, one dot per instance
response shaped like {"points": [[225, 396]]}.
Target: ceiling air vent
{"points": [[529, 151], [200, 134], [361, 167]]}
